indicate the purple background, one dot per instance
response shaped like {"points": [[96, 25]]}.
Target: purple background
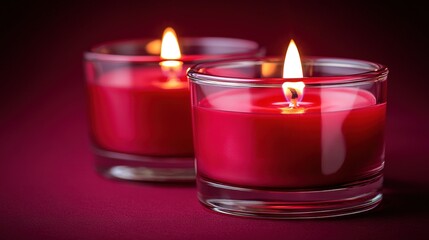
{"points": [[48, 186]]}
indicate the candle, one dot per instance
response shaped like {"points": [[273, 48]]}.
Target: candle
{"points": [[337, 139], [132, 113], [291, 147], [139, 103]]}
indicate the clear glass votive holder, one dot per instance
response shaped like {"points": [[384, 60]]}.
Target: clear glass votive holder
{"points": [[267, 149], [139, 105]]}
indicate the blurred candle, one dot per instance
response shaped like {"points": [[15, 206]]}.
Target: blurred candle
{"points": [[139, 104], [144, 109]]}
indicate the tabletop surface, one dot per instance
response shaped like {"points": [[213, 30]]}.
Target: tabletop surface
{"points": [[50, 190]]}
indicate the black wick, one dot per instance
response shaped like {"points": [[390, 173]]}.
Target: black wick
{"points": [[294, 93]]}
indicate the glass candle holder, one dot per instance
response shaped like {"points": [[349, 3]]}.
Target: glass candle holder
{"points": [[139, 105], [266, 149]]}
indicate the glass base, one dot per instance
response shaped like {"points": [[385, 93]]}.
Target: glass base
{"points": [[144, 168], [348, 199]]}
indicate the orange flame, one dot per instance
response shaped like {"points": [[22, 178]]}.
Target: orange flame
{"points": [[292, 68], [171, 67]]}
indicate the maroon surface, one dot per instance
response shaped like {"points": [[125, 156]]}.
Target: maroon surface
{"points": [[48, 187]]}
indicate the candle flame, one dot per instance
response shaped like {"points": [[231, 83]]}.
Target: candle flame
{"points": [[170, 49], [292, 68], [171, 67]]}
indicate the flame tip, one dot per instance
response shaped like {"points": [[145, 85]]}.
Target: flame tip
{"points": [[169, 29]]}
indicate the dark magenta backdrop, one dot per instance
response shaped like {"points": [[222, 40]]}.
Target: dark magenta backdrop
{"points": [[48, 187]]}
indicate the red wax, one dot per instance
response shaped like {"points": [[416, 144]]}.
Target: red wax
{"points": [[134, 110], [245, 139]]}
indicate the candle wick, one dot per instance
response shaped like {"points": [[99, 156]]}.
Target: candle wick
{"points": [[294, 98], [294, 92]]}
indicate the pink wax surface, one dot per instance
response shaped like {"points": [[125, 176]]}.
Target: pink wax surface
{"points": [[244, 139], [132, 110]]}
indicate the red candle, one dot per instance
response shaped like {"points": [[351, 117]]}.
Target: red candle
{"points": [[139, 103], [141, 111], [290, 146], [246, 138]]}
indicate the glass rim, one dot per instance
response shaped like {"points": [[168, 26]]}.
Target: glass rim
{"points": [[375, 72], [94, 53]]}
